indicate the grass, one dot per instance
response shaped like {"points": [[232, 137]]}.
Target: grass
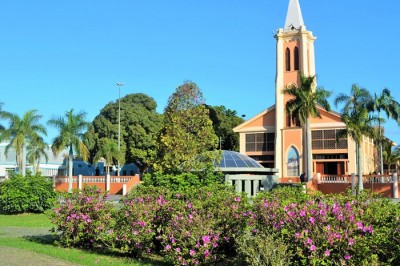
{"points": [[43, 244], [26, 220]]}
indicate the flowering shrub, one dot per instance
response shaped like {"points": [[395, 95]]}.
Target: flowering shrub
{"points": [[384, 217], [211, 224], [203, 226], [319, 231], [139, 218], [84, 219]]}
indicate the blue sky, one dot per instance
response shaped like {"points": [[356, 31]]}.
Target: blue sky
{"points": [[58, 55]]}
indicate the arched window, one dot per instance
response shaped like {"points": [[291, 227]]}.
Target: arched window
{"points": [[287, 57], [296, 59], [293, 162]]}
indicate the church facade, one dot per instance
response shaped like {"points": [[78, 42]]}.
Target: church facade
{"points": [[275, 141]]}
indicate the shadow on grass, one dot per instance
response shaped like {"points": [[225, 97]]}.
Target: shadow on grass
{"points": [[51, 240]]}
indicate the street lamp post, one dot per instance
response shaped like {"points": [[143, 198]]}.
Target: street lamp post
{"points": [[119, 120]]}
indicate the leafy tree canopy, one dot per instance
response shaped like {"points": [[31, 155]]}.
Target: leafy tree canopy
{"points": [[187, 131], [224, 120], [140, 124]]}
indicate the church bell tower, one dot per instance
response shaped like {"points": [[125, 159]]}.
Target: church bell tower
{"points": [[294, 56]]}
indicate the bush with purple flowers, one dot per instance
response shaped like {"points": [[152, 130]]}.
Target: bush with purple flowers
{"points": [[204, 226], [212, 224], [84, 219], [321, 230]]}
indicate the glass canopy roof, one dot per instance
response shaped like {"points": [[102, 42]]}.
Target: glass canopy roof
{"points": [[235, 159]]}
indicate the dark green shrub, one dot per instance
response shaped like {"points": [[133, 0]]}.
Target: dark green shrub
{"points": [[33, 193], [183, 182]]}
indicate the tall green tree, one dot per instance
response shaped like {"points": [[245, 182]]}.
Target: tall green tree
{"points": [[384, 102], [224, 120], [37, 150], [20, 132], [71, 128], [187, 132], [109, 152], [304, 103], [140, 125], [359, 123]]}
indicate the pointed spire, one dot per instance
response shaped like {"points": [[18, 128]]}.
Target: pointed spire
{"points": [[294, 19]]}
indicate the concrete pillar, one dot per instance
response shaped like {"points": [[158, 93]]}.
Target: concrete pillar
{"points": [[124, 190], [318, 178], [108, 182], [255, 187], [238, 186], [80, 182], [247, 187], [353, 183], [395, 186]]}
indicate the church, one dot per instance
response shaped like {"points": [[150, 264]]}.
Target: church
{"points": [[271, 137]]}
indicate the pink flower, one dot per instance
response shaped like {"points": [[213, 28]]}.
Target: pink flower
{"points": [[189, 205], [291, 214], [309, 241], [206, 240], [370, 230], [192, 252], [302, 213], [327, 253], [351, 241], [347, 257], [312, 220], [360, 225], [237, 198], [206, 253], [313, 247], [168, 247], [178, 250]]}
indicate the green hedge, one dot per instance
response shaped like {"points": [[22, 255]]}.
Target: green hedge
{"points": [[32, 193]]}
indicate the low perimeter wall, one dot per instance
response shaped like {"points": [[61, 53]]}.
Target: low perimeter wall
{"points": [[385, 185], [115, 185]]}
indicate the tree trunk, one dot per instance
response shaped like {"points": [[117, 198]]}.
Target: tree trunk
{"points": [[23, 159], [308, 150], [359, 170], [70, 166], [380, 144]]}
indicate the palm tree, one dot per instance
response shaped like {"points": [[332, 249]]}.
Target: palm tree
{"points": [[70, 136], [304, 104], [20, 132], [1, 126], [358, 122], [386, 103], [37, 149], [109, 152], [391, 156]]}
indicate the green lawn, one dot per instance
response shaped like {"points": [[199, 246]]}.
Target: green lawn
{"points": [[25, 220], [43, 244]]}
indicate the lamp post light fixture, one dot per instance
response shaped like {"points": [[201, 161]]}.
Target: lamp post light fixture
{"points": [[119, 85]]}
